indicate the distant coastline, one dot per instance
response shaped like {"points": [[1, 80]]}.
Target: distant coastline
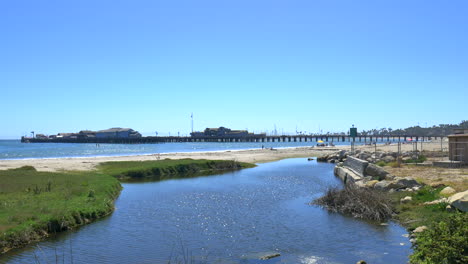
{"points": [[257, 155]]}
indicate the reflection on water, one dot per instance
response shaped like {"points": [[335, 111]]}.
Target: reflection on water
{"points": [[231, 218]]}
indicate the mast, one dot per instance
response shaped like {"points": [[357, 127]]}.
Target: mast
{"points": [[191, 116]]}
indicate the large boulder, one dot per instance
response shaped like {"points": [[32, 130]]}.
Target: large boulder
{"points": [[447, 191], [459, 201], [407, 182], [387, 185], [342, 154], [357, 165], [376, 172]]}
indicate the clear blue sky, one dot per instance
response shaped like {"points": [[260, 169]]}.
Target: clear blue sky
{"points": [[72, 65]]}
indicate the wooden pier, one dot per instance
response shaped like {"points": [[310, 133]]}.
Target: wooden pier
{"points": [[263, 138]]}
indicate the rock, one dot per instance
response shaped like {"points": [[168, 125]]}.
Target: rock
{"points": [[416, 188], [438, 201], [342, 154], [360, 184], [387, 185], [376, 171], [270, 256], [357, 165], [341, 172], [449, 208], [322, 158], [407, 199], [361, 262], [371, 184], [459, 201], [448, 191], [413, 240], [419, 229], [388, 159], [407, 182], [405, 159], [363, 156], [382, 185]]}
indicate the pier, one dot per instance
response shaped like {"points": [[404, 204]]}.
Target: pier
{"points": [[256, 138]]}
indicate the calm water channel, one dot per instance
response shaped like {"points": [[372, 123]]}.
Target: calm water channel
{"points": [[230, 218]]}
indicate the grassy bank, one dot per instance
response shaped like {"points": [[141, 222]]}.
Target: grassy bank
{"points": [[168, 169], [446, 240], [415, 213], [35, 204]]}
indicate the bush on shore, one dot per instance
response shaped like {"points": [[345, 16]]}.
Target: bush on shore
{"points": [[358, 202], [445, 242]]}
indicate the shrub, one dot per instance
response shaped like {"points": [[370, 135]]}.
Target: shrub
{"points": [[24, 168], [394, 164], [359, 202], [420, 159], [445, 242], [381, 163]]}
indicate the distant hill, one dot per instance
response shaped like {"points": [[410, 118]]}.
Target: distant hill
{"points": [[440, 130]]}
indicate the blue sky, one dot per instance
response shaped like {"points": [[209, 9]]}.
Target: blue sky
{"points": [[72, 65]]}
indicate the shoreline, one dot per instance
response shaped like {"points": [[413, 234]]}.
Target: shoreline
{"points": [[242, 155]]}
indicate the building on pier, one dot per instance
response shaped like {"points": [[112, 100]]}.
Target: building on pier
{"points": [[118, 132], [223, 132]]}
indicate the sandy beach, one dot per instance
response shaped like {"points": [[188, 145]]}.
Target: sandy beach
{"points": [[252, 156]]}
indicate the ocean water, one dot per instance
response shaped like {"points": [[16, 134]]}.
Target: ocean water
{"points": [[14, 149]]}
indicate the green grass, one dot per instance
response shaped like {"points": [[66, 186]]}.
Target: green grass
{"points": [[414, 213], [168, 169], [420, 159], [33, 203], [381, 163]]}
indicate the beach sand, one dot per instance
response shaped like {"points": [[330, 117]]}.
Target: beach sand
{"points": [[252, 156]]}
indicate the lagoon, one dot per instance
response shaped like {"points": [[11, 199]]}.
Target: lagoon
{"points": [[234, 217]]}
